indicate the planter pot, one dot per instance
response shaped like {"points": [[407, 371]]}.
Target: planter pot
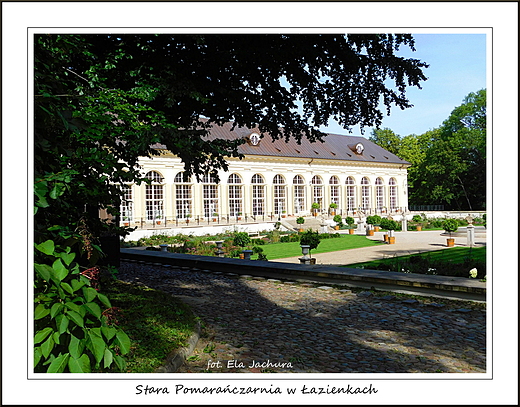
{"points": [[376, 228], [370, 232], [214, 219], [333, 213], [336, 227], [300, 230], [313, 261], [391, 239], [419, 228], [283, 216], [450, 242], [241, 255], [158, 222], [351, 231], [385, 238], [126, 224]]}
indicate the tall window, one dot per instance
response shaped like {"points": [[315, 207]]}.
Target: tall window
{"points": [[127, 204], [258, 194], [210, 196], [183, 198], [317, 190], [235, 195], [351, 193], [279, 194], [365, 193], [393, 194], [334, 190], [299, 194], [380, 193], [154, 197]]}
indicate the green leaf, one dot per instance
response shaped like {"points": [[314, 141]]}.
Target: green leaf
{"points": [[67, 257], [59, 364], [37, 355], [120, 362], [104, 299], [56, 337], [76, 284], [74, 307], [108, 331], [41, 312], [60, 272], [76, 318], [62, 322], [123, 341], [93, 308], [98, 345], [79, 365], [56, 308], [42, 334], [67, 287], [44, 271], [47, 346], [89, 293], [46, 247], [107, 358], [76, 347]]}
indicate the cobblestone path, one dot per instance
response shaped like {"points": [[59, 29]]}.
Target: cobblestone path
{"points": [[255, 325]]}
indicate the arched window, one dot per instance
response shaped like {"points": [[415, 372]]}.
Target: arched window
{"points": [[235, 195], [183, 197], [210, 196], [127, 204], [258, 182], [299, 194], [317, 190], [393, 194], [351, 193], [380, 193], [365, 193], [279, 204], [154, 197], [334, 189]]}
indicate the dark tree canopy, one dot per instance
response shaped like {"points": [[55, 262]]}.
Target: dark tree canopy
{"points": [[101, 101]]}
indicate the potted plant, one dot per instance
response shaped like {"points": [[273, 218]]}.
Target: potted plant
{"points": [[375, 221], [315, 206], [338, 220], [284, 214], [311, 239], [349, 220], [333, 207], [450, 226], [126, 221], [215, 216], [390, 225], [300, 221], [417, 219], [188, 216], [158, 219]]}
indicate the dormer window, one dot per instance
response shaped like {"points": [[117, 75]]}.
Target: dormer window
{"points": [[254, 138], [359, 148]]}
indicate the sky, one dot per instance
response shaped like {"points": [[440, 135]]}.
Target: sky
{"points": [[457, 68]]}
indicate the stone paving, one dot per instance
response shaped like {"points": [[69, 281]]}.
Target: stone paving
{"points": [[256, 325]]}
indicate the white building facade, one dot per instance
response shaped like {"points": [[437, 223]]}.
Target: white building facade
{"points": [[275, 179]]}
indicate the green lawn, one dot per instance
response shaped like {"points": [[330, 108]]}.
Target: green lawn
{"points": [[281, 250], [455, 261]]}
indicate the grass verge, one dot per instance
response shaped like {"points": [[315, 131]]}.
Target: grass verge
{"points": [[156, 322], [292, 249]]}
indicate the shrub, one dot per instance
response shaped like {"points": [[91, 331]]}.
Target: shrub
{"points": [[374, 220], [241, 239], [450, 225], [310, 238], [300, 220], [75, 325], [285, 239], [417, 218], [337, 219], [349, 220], [390, 224]]}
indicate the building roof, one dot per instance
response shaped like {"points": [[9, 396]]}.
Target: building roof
{"points": [[334, 146]]}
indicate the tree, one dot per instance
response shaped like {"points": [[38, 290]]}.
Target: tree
{"points": [[387, 139], [453, 170]]}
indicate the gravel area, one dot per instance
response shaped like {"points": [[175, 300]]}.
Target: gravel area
{"points": [[260, 325]]}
